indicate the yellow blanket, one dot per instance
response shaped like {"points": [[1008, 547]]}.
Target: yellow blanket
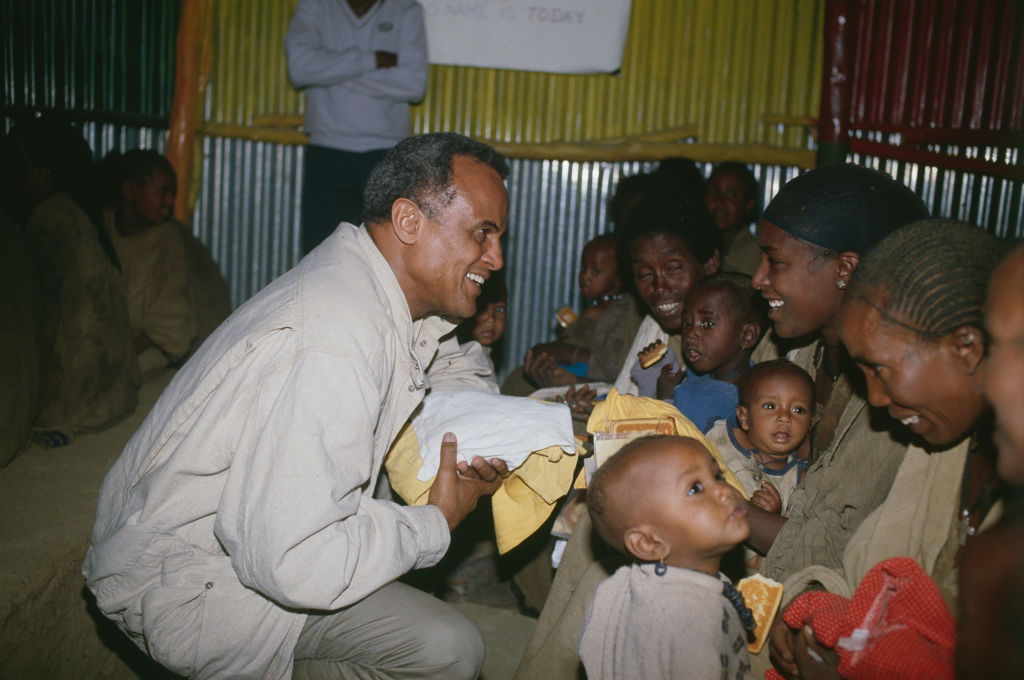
{"points": [[623, 406], [520, 505]]}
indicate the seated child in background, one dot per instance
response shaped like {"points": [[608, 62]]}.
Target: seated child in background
{"points": [[175, 291], [723, 320], [465, 358], [765, 441], [672, 614], [567, 359], [487, 327], [731, 198]]}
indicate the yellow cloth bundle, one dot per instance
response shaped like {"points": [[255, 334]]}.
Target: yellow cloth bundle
{"points": [[520, 506], [626, 407]]}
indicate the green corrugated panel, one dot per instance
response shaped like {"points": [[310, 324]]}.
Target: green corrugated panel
{"points": [[718, 63], [89, 56]]}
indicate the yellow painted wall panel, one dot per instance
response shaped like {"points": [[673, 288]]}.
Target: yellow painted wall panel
{"points": [[720, 64]]}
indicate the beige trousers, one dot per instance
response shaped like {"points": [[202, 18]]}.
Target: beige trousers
{"points": [[397, 632]]}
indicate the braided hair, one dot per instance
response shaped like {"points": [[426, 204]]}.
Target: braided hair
{"points": [[930, 276]]}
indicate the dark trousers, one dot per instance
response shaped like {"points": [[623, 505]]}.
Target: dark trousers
{"points": [[332, 190]]}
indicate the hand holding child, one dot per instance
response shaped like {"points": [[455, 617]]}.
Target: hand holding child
{"points": [[668, 380], [767, 498]]}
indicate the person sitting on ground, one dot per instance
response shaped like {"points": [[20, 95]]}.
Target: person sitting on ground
{"points": [[764, 441], [912, 322], [238, 535], [567, 360], [723, 320], [813, 235], [672, 245], [176, 293], [673, 178], [91, 373], [991, 621], [731, 198], [663, 501], [829, 216]]}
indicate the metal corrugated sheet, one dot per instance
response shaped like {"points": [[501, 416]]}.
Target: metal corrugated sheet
{"points": [[248, 210], [720, 64], [89, 56]]}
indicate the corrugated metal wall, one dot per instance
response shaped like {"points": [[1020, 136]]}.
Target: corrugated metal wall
{"points": [[720, 65], [948, 83], [93, 58]]}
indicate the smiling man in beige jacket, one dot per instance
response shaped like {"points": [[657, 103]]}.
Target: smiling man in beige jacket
{"points": [[237, 535]]}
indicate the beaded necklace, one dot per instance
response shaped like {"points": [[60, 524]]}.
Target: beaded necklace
{"points": [[603, 299]]}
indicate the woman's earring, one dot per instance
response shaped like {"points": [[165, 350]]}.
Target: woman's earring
{"points": [[660, 568], [841, 284]]}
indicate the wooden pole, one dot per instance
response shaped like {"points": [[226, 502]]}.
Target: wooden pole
{"points": [[193, 52]]}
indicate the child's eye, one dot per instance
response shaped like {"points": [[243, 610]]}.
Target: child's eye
{"points": [[799, 409], [695, 489], [500, 309], [706, 324], [768, 406]]}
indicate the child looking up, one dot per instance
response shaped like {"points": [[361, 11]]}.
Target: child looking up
{"points": [[672, 614], [765, 441], [723, 319]]}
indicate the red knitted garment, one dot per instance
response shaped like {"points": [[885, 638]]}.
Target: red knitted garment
{"points": [[908, 631]]}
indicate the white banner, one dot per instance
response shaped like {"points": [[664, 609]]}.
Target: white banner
{"points": [[554, 36]]}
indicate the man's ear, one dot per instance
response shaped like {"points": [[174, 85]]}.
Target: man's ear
{"points": [[642, 543], [742, 417], [407, 220], [846, 264], [968, 344], [749, 335], [713, 263]]}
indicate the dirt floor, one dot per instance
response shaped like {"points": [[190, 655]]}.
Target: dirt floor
{"points": [[49, 627]]}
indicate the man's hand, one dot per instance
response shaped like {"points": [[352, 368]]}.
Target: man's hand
{"points": [[544, 371], [767, 498], [458, 485], [668, 379], [386, 59]]}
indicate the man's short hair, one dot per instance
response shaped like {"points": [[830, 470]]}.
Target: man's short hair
{"points": [[420, 169]]}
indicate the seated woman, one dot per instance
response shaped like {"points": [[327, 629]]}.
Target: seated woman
{"points": [[91, 376], [812, 235], [671, 245], [912, 321], [176, 293]]}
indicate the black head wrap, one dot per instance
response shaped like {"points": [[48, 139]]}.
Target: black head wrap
{"points": [[844, 207]]}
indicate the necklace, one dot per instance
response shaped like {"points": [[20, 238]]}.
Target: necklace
{"points": [[983, 501], [603, 299], [735, 598]]}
